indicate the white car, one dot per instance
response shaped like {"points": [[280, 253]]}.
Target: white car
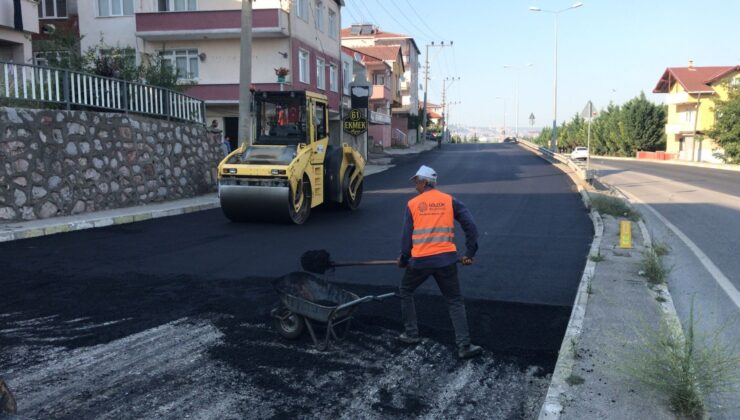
{"points": [[579, 153]]}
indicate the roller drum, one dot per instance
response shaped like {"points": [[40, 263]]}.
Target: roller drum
{"points": [[242, 203]]}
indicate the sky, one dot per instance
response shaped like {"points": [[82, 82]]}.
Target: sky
{"points": [[608, 50]]}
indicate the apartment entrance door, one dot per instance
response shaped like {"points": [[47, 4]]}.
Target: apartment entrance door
{"points": [[231, 130]]}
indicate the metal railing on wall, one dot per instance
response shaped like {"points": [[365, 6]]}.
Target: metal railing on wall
{"points": [[399, 138], [75, 89]]}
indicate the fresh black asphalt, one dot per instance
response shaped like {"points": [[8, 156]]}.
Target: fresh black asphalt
{"points": [[106, 291]]}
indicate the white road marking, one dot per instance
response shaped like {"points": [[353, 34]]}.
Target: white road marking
{"points": [[713, 270]]}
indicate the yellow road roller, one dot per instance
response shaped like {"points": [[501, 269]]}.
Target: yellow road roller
{"points": [[290, 168]]}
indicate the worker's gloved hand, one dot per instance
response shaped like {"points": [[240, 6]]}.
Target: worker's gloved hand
{"points": [[467, 261], [401, 262]]}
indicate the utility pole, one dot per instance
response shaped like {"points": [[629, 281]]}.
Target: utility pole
{"points": [[426, 79], [444, 103], [245, 74]]}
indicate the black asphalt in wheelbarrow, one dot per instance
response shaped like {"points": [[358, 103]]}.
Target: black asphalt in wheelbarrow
{"points": [[306, 299]]}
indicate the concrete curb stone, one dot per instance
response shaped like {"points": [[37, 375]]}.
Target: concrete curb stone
{"points": [[553, 404]]}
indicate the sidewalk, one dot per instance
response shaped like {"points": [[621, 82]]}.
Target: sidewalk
{"points": [[29, 229], [618, 303], [719, 166]]}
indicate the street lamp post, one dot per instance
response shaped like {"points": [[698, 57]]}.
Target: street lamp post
{"points": [[553, 139], [516, 93]]}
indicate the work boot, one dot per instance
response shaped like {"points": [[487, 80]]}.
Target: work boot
{"points": [[409, 339], [471, 350]]}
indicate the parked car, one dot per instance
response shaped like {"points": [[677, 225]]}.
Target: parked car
{"points": [[579, 153]]}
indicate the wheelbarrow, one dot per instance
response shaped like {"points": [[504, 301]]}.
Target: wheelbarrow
{"points": [[306, 299]]}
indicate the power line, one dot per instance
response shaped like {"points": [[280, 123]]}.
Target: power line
{"points": [[405, 15], [375, 21], [401, 25], [436, 35], [352, 15]]}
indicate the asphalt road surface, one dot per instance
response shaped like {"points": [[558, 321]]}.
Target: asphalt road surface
{"points": [[703, 205], [170, 317]]}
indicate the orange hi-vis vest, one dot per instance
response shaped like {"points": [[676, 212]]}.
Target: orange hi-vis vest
{"points": [[434, 224]]}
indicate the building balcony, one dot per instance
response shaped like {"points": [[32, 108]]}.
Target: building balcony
{"points": [[29, 14], [209, 24], [678, 128], [379, 118], [381, 92]]}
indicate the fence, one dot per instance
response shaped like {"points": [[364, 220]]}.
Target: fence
{"points": [[77, 89]]}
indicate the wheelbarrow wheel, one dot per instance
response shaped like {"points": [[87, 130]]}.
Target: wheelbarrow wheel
{"points": [[289, 326]]}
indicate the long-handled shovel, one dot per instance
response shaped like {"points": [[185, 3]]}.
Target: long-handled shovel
{"points": [[319, 261]]}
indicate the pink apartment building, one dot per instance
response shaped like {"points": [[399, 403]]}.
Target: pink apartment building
{"points": [[201, 38]]}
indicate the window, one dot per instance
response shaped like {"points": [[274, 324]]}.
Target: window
{"points": [[115, 8], [688, 115], [320, 73], [346, 77], [735, 81], [177, 5], [333, 26], [185, 62], [319, 114], [379, 79], [333, 85], [52, 9], [301, 9], [303, 74], [319, 18]]}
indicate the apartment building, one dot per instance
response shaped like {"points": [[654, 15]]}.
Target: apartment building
{"points": [[405, 115], [201, 39], [18, 21], [692, 92]]}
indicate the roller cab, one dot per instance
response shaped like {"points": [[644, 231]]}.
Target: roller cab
{"points": [[290, 168]]}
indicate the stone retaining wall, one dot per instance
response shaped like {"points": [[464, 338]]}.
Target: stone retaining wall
{"points": [[59, 163]]}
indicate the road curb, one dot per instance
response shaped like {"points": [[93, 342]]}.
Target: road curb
{"points": [[51, 228], [553, 405]]}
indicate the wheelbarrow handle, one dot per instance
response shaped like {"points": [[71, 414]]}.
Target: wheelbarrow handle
{"points": [[371, 262], [363, 300]]}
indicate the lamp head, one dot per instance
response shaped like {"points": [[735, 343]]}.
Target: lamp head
{"points": [[534, 9], [576, 5]]}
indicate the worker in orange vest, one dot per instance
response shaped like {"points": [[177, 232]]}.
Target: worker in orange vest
{"points": [[428, 249]]}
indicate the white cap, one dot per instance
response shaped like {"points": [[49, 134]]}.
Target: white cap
{"points": [[426, 173]]}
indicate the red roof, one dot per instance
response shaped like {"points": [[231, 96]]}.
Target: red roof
{"points": [[381, 52], [378, 33], [367, 57], [433, 115], [693, 79]]}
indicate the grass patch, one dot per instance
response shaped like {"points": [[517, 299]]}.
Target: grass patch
{"points": [[653, 268], [596, 258], [661, 248], [660, 299], [686, 370], [574, 380], [613, 206]]}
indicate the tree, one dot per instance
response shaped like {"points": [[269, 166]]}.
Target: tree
{"points": [[726, 130], [644, 124]]}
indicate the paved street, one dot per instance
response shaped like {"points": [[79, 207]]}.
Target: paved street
{"points": [[703, 205], [171, 316]]}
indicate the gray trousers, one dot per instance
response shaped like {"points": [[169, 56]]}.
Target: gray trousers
{"points": [[446, 278]]}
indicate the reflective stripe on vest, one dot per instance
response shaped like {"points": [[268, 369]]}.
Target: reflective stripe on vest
{"points": [[434, 224]]}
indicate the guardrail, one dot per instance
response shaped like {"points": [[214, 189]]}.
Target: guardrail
{"points": [[76, 89], [581, 171]]}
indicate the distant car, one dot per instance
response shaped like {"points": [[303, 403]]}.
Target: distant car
{"points": [[579, 153], [430, 136]]}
